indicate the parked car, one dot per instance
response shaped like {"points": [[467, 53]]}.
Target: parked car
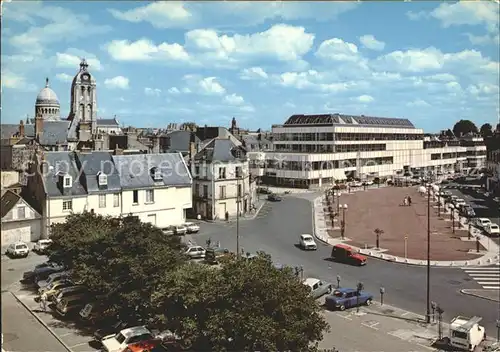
{"points": [[41, 246], [264, 190], [54, 288], [39, 274], [345, 254], [317, 287], [109, 330], [147, 346], [120, 341], [213, 255], [180, 230], [482, 222], [343, 298], [274, 198], [307, 242], [195, 252], [71, 305], [368, 183], [459, 202], [492, 229], [72, 291], [18, 250], [52, 278], [191, 227], [169, 230]]}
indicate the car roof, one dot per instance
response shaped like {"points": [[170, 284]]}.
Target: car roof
{"points": [[345, 290], [484, 219], [19, 242], [305, 235], [342, 246], [310, 281], [146, 346], [135, 330]]}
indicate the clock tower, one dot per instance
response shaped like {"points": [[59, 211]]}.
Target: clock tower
{"points": [[83, 113]]}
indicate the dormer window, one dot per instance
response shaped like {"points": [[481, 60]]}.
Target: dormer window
{"points": [[102, 179], [156, 174], [67, 181]]}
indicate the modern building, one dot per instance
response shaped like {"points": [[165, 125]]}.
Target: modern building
{"points": [[221, 180], [154, 187], [493, 164], [312, 150]]}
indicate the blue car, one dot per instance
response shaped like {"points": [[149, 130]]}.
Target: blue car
{"points": [[343, 298]]}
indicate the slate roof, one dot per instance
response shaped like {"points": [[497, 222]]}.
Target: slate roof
{"points": [[107, 122], [339, 119], [91, 165], [135, 170], [221, 150], [9, 200], [59, 163], [54, 132], [8, 130], [252, 142], [179, 140]]}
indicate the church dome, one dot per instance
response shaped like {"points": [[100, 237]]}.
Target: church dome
{"points": [[47, 96]]}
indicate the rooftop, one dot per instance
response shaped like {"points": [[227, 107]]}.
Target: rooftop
{"points": [[338, 119]]}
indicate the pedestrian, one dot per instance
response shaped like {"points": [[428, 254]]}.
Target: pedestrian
{"points": [[209, 242], [409, 200], [227, 216], [43, 303]]}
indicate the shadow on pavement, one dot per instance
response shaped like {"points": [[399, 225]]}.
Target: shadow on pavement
{"points": [[388, 313]]}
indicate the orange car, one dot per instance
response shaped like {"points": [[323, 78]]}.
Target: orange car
{"points": [[152, 346]]}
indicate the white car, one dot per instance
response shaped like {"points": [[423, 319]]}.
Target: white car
{"points": [[191, 227], [307, 242], [459, 202], [195, 252], [18, 249], [492, 229], [483, 222], [120, 341], [180, 230], [42, 245], [368, 183]]}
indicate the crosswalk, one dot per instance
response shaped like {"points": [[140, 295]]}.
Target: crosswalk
{"points": [[487, 277]]}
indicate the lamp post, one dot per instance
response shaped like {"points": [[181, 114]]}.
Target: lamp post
{"points": [[439, 203], [406, 246], [338, 281], [342, 224], [452, 214], [428, 315]]}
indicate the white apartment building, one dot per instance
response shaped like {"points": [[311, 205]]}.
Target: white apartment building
{"points": [[154, 187], [311, 150], [221, 180]]}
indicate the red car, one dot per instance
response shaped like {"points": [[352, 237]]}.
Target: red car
{"points": [[345, 254]]}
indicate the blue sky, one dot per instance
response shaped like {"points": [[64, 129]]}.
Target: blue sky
{"points": [[162, 62]]}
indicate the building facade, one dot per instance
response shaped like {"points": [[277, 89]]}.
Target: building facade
{"points": [[20, 222], [221, 180], [154, 187], [493, 164], [312, 150]]}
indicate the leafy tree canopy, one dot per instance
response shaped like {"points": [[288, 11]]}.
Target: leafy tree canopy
{"points": [[120, 260], [247, 305], [463, 127], [486, 130]]}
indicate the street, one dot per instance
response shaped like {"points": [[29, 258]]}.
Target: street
{"points": [[276, 230]]}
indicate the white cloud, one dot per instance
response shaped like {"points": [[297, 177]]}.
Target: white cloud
{"points": [[415, 16], [468, 13], [174, 90], [229, 14], [486, 39], [152, 91], [64, 77], [209, 85], [316, 81], [253, 73], [118, 82], [72, 58], [338, 50], [60, 24], [145, 50], [370, 42], [234, 99], [364, 99], [483, 89], [418, 103], [14, 81]]}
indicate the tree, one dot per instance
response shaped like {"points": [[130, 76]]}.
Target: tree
{"points": [[486, 130], [247, 305], [121, 261], [449, 133], [378, 232], [463, 127]]}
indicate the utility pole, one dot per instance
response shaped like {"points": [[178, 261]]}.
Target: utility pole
{"points": [[238, 197], [428, 315]]}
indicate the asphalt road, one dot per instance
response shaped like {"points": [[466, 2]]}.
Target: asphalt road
{"points": [[276, 230]]}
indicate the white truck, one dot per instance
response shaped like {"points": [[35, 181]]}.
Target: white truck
{"points": [[466, 333]]}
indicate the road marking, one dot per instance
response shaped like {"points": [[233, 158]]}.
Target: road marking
{"points": [[372, 325], [343, 316], [427, 347], [66, 334], [488, 283], [492, 287], [80, 344], [405, 314]]}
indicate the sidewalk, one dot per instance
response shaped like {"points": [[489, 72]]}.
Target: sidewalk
{"points": [[490, 257]]}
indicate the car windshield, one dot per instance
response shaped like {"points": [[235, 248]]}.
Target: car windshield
{"points": [[495, 227], [120, 338], [21, 246], [338, 294], [308, 239], [143, 337], [44, 242]]}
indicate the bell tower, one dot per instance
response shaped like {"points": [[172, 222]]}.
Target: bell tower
{"points": [[83, 100]]}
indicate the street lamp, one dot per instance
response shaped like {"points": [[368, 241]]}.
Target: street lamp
{"points": [[428, 315], [452, 217], [342, 224]]}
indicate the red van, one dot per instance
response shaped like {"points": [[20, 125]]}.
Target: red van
{"points": [[345, 254]]}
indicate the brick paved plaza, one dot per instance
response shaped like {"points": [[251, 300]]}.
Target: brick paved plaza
{"points": [[381, 208]]}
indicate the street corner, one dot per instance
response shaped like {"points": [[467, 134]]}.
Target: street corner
{"points": [[490, 295]]}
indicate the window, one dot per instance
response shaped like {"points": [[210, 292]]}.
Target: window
{"points": [[102, 201], [197, 171], [239, 172], [240, 190], [21, 212], [222, 172], [102, 179], [135, 197], [222, 192], [150, 196], [116, 200], [67, 181], [205, 190], [67, 205]]}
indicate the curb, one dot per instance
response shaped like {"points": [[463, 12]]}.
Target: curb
{"points": [[43, 323], [392, 259], [257, 211], [314, 222], [462, 291]]}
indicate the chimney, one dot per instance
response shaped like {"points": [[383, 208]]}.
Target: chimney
{"points": [[118, 151], [21, 128], [38, 126]]}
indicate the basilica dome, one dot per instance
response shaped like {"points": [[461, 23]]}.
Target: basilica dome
{"points": [[47, 104]]}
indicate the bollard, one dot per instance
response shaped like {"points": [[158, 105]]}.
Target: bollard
{"points": [[338, 281], [382, 291]]}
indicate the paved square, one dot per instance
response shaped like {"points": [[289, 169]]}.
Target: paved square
{"points": [[381, 208]]}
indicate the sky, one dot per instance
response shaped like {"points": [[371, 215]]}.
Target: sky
{"points": [[161, 62]]}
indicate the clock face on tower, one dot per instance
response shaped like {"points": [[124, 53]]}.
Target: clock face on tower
{"points": [[85, 77]]}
